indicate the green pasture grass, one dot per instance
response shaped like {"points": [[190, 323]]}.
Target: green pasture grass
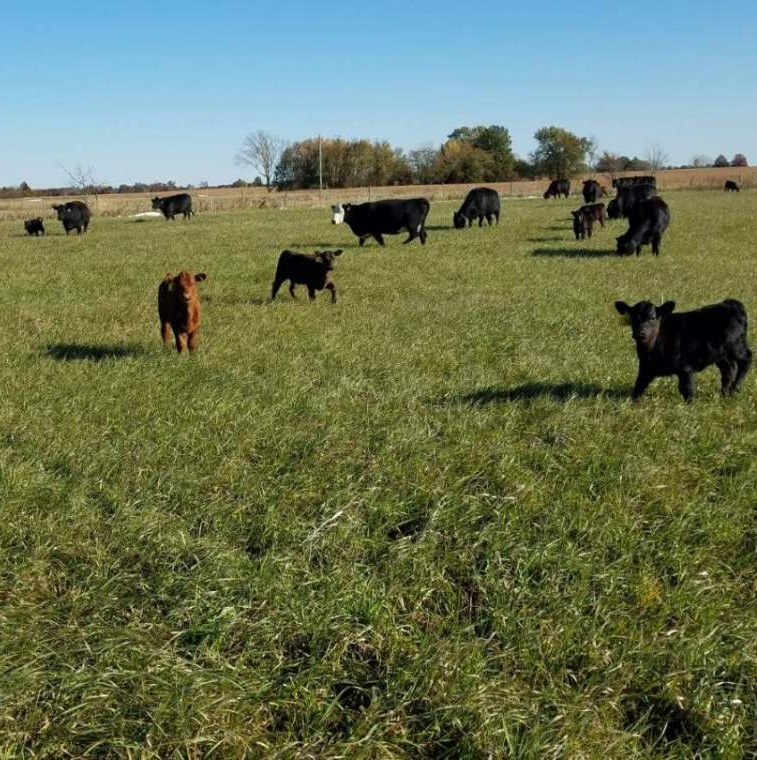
{"points": [[425, 521]]}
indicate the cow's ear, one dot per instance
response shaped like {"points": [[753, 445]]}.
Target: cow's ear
{"points": [[575, 214], [200, 276], [338, 252], [622, 307], [665, 309]]}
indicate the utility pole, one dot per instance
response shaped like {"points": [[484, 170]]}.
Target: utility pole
{"points": [[320, 167]]}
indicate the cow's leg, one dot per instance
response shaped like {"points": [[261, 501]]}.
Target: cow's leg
{"points": [[638, 250], [589, 226], [379, 239], [311, 293], [481, 220], [291, 289], [423, 235], [642, 382], [686, 385], [192, 340], [656, 239], [181, 341], [165, 333], [362, 239], [411, 236], [743, 364], [330, 286], [275, 288], [728, 369]]}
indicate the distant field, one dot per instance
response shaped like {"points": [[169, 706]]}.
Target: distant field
{"points": [[221, 199], [423, 522]]}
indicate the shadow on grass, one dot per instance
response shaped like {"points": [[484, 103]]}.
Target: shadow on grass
{"points": [[553, 239], [69, 352], [571, 253], [438, 227], [535, 390]]}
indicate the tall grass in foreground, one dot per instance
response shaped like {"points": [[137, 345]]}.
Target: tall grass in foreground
{"points": [[425, 521]]}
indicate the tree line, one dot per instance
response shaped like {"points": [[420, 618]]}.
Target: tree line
{"points": [[469, 154]]}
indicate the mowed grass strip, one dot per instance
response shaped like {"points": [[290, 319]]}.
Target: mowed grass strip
{"points": [[424, 521]]}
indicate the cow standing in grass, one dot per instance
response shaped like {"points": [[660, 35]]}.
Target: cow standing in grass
{"points": [[557, 187], [731, 186], [313, 270], [584, 218], [74, 215], [34, 226], [646, 224], [688, 342], [174, 204], [179, 309], [388, 217], [482, 203]]}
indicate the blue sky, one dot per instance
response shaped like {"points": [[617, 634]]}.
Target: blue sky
{"points": [[143, 91]]}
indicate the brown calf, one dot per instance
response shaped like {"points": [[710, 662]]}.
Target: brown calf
{"points": [[179, 309]]}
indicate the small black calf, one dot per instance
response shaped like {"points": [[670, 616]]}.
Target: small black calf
{"points": [[584, 218], [731, 186], [34, 226], [688, 342], [310, 269]]}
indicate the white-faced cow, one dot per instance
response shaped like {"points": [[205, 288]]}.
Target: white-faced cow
{"points": [[688, 342], [389, 217], [174, 204], [482, 203]]}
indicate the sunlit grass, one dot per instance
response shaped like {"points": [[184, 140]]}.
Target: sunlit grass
{"points": [[424, 521]]}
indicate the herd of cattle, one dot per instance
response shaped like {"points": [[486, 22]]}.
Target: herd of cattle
{"points": [[666, 343]]}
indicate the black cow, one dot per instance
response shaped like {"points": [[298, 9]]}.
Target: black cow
{"points": [[621, 182], [34, 226], [731, 186], [174, 204], [557, 187], [480, 202], [648, 220], [310, 269], [74, 215], [684, 343], [621, 206], [584, 218], [388, 217], [591, 190]]}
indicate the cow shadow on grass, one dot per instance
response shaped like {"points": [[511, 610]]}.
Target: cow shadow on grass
{"points": [[571, 253], [310, 244], [534, 390], [69, 352], [553, 239]]}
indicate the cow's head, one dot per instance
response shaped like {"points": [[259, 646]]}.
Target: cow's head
{"points": [[60, 209], [183, 284], [625, 244], [327, 258], [338, 212], [644, 318], [156, 203], [459, 220]]}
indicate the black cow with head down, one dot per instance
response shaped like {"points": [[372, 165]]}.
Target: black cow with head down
{"points": [[482, 203], [174, 204], [389, 217], [557, 187], [646, 224]]}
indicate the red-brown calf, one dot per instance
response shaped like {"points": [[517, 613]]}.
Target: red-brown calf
{"points": [[179, 309]]}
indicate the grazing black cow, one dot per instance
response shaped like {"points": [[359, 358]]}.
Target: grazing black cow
{"points": [[648, 220], [388, 217], [621, 182], [480, 202], [310, 269], [74, 215], [174, 204], [731, 186], [688, 342], [34, 226], [622, 204], [584, 218], [557, 187], [591, 190]]}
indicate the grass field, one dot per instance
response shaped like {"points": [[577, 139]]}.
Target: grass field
{"points": [[425, 521]]}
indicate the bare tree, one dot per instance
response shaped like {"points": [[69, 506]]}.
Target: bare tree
{"points": [[656, 157], [262, 151], [83, 180]]}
